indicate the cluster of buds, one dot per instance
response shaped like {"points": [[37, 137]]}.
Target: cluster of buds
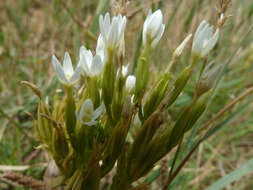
{"points": [[86, 135]]}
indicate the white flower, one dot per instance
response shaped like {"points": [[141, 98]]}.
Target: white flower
{"points": [[100, 49], [87, 115], [153, 28], [112, 32], [65, 73], [204, 39], [92, 66], [130, 83]]}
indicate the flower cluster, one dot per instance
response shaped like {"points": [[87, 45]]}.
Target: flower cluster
{"points": [[91, 127]]}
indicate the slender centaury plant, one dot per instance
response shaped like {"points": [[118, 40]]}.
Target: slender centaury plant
{"points": [[115, 121]]}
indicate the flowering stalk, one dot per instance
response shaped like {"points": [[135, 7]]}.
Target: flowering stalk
{"points": [[117, 120], [70, 118], [108, 83]]}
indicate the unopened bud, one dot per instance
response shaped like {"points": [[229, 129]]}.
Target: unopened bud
{"points": [[130, 83], [108, 84], [207, 79], [60, 143], [181, 47]]}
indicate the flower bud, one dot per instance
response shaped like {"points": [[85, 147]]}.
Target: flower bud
{"points": [[181, 47], [179, 85], [156, 95], [44, 128], [130, 83], [142, 74], [204, 39], [153, 28], [188, 118], [60, 144], [207, 79], [139, 148]]}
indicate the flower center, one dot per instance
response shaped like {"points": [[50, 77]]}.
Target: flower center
{"points": [[68, 75]]}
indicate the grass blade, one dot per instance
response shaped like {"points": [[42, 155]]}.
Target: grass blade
{"points": [[233, 176]]}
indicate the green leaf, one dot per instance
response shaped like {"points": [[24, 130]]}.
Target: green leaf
{"points": [[233, 176]]}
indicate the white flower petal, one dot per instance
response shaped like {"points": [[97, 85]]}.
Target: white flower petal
{"points": [[200, 28], [82, 49], [87, 107], [122, 27], [90, 123], [97, 66], [113, 35], [124, 70], [155, 23], [83, 62], [212, 42], [100, 49], [103, 28], [59, 70], [204, 39], [107, 22], [199, 36], [158, 37], [67, 65], [203, 35], [153, 28], [130, 83], [112, 32], [89, 58], [98, 111], [75, 77]]}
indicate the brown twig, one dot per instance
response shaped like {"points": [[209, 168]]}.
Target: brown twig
{"points": [[23, 180], [226, 108]]}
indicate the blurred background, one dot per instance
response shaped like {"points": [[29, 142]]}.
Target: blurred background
{"points": [[32, 30]]}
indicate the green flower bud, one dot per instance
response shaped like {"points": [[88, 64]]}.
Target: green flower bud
{"points": [[207, 79], [188, 118], [156, 95], [93, 90], [144, 136], [108, 84], [44, 127], [119, 96], [115, 145], [60, 144], [141, 78], [70, 117], [179, 85]]}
